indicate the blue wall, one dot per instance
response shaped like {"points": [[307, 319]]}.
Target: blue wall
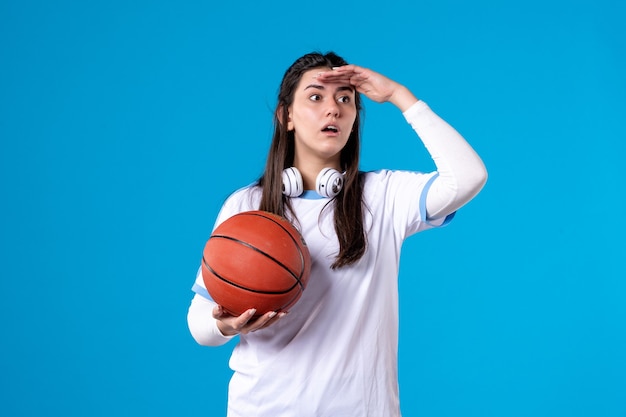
{"points": [[123, 126]]}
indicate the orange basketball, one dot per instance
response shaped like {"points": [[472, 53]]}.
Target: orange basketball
{"points": [[256, 259]]}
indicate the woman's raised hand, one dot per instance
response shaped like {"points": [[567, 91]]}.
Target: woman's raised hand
{"points": [[373, 85]]}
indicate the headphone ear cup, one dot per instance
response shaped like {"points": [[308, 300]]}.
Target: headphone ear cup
{"points": [[329, 182], [292, 182]]}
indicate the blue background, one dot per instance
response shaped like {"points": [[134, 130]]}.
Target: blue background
{"points": [[124, 125]]}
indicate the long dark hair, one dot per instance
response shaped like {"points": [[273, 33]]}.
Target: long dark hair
{"points": [[348, 204]]}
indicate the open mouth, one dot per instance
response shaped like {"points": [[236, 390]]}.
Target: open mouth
{"points": [[331, 128]]}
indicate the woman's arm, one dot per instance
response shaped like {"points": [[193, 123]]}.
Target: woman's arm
{"points": [[462, 173], [202, 325]]}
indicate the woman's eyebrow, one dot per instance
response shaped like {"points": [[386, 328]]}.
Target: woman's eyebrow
{"points": [[321, 87]]}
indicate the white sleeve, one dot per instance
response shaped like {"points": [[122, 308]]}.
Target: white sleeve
{"points": [[202, 325], [462, 173]]}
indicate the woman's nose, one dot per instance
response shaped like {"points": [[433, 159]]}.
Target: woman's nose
{"points": [[333, 110]]}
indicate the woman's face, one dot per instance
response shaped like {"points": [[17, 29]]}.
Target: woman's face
{"points": [[322, 115]]}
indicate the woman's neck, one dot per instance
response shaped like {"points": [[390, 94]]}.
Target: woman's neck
{"points": [[310, 169]]}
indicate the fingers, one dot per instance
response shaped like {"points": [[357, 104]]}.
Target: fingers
{"points": [[349, 69], [374, 85], [346, 73], [232, 325], [218, 311], [262, 322]]}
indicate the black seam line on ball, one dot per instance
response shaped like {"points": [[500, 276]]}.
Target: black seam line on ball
{"points": [[276, 222], [267, 255], [234, 284]]}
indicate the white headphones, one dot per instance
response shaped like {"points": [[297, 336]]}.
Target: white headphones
{"points": [[329, 182]]}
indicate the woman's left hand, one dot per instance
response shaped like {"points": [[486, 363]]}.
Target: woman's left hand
{"points": [[375, 86]]}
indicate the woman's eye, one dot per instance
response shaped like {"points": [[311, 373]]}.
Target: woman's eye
{"points": [[344, 99], [315, 97]]}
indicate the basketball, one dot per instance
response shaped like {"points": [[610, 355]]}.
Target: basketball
{"points": [[256, 259]]}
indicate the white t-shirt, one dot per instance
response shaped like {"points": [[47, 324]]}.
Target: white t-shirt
{"points": [[335, 353]]}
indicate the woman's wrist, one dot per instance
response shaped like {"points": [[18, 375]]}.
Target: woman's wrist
{"points": [[220, 327], [402, 98]]}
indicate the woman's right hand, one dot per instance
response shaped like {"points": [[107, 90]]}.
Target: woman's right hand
{"points": [[231, 325], [375, 86]]}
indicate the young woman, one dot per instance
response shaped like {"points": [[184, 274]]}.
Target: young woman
{"points": [[335, 352]]}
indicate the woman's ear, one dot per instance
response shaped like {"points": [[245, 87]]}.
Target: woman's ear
{"points": [[289, 123], [279, 112]]}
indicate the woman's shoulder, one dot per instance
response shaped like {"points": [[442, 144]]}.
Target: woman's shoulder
{"points": [[244, 198], [246, 190]]}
